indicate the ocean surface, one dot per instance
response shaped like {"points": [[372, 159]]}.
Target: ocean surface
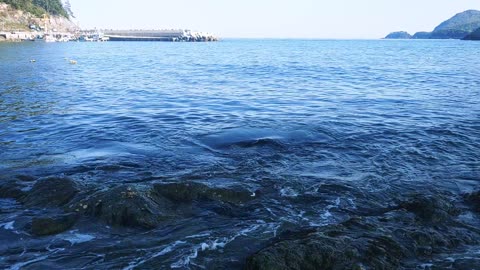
{"points": [[320, 124]]}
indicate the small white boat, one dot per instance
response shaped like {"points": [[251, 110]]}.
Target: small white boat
{"points": [[49, 38]]}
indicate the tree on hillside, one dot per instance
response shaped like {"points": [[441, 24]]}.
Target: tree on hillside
{"points": [[68, 8], [38, 7]]}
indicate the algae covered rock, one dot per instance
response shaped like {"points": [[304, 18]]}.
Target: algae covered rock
{"points": [[11, 189], [191, 191], [52, 192], [52, 225], [416, 230], [128, 205], [474, 200], [430, 208]]}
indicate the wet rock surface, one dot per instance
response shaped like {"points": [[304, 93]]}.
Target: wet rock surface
{"points": [[142, 206], [51, 192], [191, 191], [416, 230], [127, 205], [474, 200], [379, 230], [52, 225], [10, 189]]}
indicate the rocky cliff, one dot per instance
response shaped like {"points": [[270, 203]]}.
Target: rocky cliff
{"points": [[12, 19]]}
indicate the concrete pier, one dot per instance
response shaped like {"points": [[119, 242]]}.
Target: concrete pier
{"points": [[159, 35], [17, 36]]}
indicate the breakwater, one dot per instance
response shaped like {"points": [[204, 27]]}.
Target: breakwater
{"points": [[159, 35], [16, 36]]}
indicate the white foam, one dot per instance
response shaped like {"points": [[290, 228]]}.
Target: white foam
{"points": [[212, 245], [198, 235], [7, 225], [18, 266], [185, 260], [164, 251], [78, 238], [326, 215], [288, 192], [426, 266]]}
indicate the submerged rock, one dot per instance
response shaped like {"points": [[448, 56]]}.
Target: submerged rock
{"points": [[53, 192], [52, 225], [429, 208], [11, 189], [474, 200]]}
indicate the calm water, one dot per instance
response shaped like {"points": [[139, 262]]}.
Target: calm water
{"points": [[347, 117]]}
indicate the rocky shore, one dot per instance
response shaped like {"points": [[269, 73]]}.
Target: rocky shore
{"points": [[397, 237], [394, 233]]}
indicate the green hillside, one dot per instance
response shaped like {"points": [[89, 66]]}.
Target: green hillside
{"points": [[39, 7], [456, 27]]}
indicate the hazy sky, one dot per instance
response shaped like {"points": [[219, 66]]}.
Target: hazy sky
{"points": [[272, 18]]}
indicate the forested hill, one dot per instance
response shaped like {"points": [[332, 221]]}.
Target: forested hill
{"points": [[40, 7]]}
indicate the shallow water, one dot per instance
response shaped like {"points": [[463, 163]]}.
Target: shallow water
{"points": [[328, 127]]}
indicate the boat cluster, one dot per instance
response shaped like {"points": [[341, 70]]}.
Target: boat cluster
{"points": [[65, 37], [55, 37]]}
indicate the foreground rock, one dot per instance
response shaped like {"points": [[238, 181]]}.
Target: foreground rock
{"points": [[129, 206], [53, 225], [11, 189], [415, 231], [474, 200], [191, 191], [52, 192]]}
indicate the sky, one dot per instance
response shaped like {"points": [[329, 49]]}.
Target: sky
{"points": [[335, 19]]}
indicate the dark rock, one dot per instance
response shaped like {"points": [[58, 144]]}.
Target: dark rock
{"points": [[474, 200], [11, 189], [466, 264], [52, 192], [130, 206], [387, 241], [431, 208], [25, 178], [190, 191], [52, 225], [399, 35]]}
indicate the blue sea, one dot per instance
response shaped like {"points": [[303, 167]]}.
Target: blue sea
{"points": [[346, 118]]}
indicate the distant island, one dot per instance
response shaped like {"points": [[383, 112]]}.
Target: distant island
{"points": [[463, 25]]}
